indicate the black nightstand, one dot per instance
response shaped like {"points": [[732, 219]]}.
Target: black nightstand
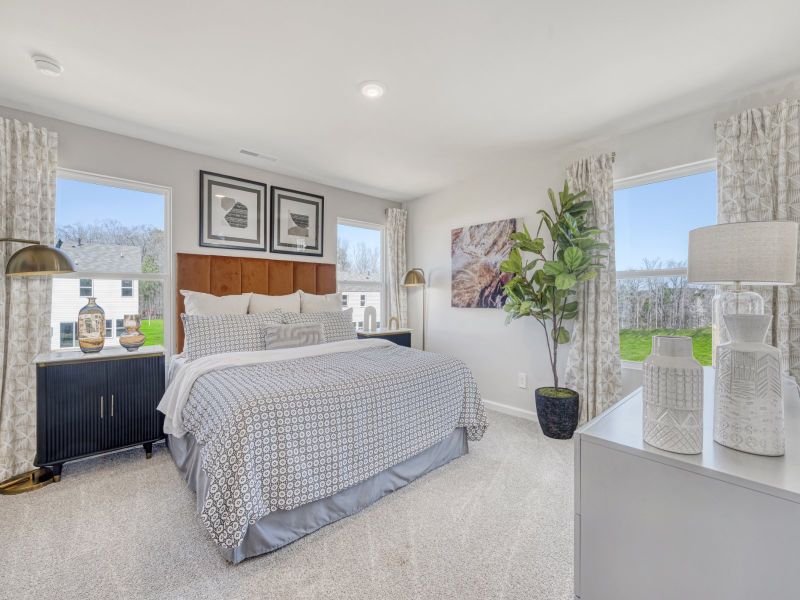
{"points": [[88, 404], [401, 337]]}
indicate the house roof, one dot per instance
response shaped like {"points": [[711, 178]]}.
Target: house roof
{"points": [[349, 281], [104, 258]]}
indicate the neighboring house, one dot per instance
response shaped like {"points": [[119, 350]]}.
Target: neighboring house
{"points": [[360, 290], [117, 297]]}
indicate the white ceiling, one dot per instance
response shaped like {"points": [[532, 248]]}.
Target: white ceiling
{"points": [[468, 81]]}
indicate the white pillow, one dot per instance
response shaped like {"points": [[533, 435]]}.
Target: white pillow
{"points": [[199, 303], [311, 303], [337, 326], [259, 303], [218, 334]]}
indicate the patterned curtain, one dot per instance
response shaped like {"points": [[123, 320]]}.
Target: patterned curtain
{"points": [[758, 179], [27, 207], [594, 368], [396, 264]]}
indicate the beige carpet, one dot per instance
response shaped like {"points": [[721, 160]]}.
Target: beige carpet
{"points": [[496, 523]]}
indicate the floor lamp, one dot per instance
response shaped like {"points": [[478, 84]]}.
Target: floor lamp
{"points": [[34, 260], [416, 277]]}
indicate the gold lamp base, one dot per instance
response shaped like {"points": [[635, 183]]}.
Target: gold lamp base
{"points": [[27, 482]]}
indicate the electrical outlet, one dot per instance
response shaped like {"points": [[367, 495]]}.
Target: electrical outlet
{"points": [[522, 380]]}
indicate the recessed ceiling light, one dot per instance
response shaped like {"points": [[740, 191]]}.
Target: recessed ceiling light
{"points": [[372, 89], [47, 66]]}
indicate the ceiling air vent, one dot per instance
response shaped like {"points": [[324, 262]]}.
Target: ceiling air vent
{"points": [[247, 152]]}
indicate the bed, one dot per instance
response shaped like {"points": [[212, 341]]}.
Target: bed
{"points": [[278, 443]]}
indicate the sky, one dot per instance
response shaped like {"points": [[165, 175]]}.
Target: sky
{"points": [[371, 237], [81, 202], [653, 220]]}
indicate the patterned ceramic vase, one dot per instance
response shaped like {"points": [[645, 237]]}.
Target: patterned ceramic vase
{"points": [[748, 394], [132, 339], [673, 396], [91, 327]]}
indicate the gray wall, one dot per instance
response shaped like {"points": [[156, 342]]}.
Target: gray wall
{"points": [[495, 352], [95, 151]]}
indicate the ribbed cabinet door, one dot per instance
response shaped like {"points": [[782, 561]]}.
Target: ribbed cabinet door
{"points": [[135, 388], [71, 415]]}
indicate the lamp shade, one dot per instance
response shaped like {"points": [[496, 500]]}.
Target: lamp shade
{"points": [[38, 259], [414, 277], [755, 253]]}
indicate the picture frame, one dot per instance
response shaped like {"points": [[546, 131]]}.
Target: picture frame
{"points": [[297, 222], [233, 212]]}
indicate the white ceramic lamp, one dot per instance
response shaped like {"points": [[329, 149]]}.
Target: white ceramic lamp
{"points": [[748, 397], [756, 253]]}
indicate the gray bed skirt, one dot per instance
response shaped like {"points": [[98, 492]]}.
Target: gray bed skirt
{"points": [[285, 526]]}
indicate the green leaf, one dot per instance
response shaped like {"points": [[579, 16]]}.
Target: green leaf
{"points": [[561, 335], [554, 267], [573, 257], [565, 281]]}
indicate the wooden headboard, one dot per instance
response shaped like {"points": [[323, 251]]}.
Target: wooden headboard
{"points": [[222, 275]]}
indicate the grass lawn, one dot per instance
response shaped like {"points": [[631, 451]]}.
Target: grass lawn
{"points": [[153, 329], [636, 344]]}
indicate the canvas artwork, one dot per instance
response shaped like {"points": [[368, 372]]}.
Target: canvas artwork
{"points": [[233, 212], [476, 252]]}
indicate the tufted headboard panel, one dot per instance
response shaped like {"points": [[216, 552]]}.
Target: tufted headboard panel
{"points": [[222, 275]]}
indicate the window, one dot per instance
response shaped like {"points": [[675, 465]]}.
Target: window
{"points": [[359, 266], [120, 327], [85, 288], [67, 335], [653, 216], [117, 234]]}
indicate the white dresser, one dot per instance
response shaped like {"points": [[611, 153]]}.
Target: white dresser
{"points": [[652, 525]]}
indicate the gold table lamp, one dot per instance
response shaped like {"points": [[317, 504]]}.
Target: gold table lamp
{"points": [[34, 260]]}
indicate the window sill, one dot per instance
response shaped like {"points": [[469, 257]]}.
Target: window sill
{"points": [[629, 364]]}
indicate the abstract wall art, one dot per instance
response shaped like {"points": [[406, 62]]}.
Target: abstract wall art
{"points": [[476, 252], [233, 212], [297, 222]]}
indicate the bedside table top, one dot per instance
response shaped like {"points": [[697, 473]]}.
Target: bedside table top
{"points": [[111, 353], [383, 331]]}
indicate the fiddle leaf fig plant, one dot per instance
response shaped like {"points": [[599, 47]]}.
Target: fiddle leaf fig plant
{"points": [[546, 275]]}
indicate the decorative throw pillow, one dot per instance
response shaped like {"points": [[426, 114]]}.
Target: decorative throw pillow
{"points": [[218, 334], [199, 303], [259, 303], [312, 303], [294, 336], [338, 326]]}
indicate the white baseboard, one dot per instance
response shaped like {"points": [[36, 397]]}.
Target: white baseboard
{"points": [[510, 410]]}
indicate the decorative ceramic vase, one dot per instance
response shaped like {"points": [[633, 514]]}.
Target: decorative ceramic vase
{"points": [[132, 339], [557, 416], [91, 327], [748, 396], [672, 416], [370, 319]]}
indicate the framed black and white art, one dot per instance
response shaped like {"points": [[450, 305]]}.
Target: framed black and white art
{"points": [[298, 219], [233, 212]]}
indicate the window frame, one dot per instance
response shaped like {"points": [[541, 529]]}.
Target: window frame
{"points": [[164, 277], [81, 287], [126, 288], [382, 229], [686, 170]]}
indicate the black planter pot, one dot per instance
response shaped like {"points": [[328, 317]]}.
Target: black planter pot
{"points": [[558, 417]]}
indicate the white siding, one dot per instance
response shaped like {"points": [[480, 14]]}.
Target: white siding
{"points": [[67, 301], [371, 299]]}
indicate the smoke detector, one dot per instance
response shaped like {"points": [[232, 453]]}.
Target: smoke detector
{"points": [[47, 66]]}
